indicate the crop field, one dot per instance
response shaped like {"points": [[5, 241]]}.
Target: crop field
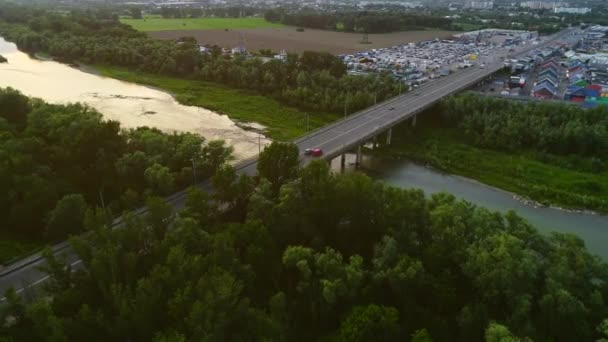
{"points": [[153, 24], [288, 39]]}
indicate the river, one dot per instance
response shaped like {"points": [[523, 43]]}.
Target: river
{"points": [[592, 228], [131, 104]]}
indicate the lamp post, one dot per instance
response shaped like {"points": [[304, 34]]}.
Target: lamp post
{"points": [[193, 170]]}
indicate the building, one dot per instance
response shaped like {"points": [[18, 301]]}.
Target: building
{"points": [[572, 10], [541, 4], [481, 4], [544, 90]]}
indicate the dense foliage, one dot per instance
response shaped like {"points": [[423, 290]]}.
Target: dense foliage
{"points": [[56, 159], [326, 257], [365, 21], [312, 81], [3, 59], [215, 12], [511, 125]]}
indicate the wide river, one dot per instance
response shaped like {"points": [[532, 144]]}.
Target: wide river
{"points": [[131, 104], [592, 228]]}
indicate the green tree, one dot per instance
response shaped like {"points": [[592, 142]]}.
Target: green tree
{"points": [[159, 178], [499, 333], [370, 323], [279, 163], [67, 217]]}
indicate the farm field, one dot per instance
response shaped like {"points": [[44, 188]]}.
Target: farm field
{"points": [[288, 39], [152, 24]]}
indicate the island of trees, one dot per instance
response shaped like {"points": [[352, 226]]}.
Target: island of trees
{"points": [[302, 254]]}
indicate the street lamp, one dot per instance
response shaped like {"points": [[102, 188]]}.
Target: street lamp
{"points": [[193, 170]]}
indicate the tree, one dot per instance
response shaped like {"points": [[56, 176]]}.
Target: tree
{"points": [[67, 217], [159, 178], [499, 333], [135, 13], [14, 107], [421, 335], [370, 323], [278, 163]]}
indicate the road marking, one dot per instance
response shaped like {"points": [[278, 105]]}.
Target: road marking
{"points": [[39, 281]]}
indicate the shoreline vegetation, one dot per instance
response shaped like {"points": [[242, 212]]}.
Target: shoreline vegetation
{"points": [[576, 179], [3, 59], [281, 122]]}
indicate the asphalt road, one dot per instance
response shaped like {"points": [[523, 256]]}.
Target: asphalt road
{"points": [[333, 139]]}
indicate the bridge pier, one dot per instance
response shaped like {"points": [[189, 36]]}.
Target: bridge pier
{"points": [[358, 158], [414, 120], [342, 162], [375, 142], [389, 136]]}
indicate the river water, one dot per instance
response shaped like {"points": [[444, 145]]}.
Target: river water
{"points": [[131, 104], [592, 228]]}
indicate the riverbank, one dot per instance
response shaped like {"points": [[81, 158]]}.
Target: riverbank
{"points": [[522, 174], [282, 123], [2, 59]]}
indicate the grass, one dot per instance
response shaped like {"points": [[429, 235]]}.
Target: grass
{"points": [[469, 27], [283, 123], [160, 24], [519, 173], [12, 248]]}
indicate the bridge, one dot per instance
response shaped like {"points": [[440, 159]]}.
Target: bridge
{"points": [[335, 140]]}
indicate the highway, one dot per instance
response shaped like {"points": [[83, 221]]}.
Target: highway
{"points": [[333, 139]]}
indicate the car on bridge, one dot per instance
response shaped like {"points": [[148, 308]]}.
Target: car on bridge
{"points": [[315, 152]]}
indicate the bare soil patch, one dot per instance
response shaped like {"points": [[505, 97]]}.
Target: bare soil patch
{"points": [[288, 39]]}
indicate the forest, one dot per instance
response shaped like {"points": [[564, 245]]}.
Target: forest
{"points": [[58, 160], [215, 12], [304, 254], [311, 81], [363, 21], [514, 126]]}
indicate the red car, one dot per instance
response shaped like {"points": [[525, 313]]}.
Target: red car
{"points": [[315, 152]]}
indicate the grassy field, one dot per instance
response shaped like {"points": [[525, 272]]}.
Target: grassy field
{"points": [[283, 123], [161, 24], [469, 27], [522, 174]]}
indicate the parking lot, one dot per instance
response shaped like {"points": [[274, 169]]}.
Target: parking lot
{"points": [[416, 63]]}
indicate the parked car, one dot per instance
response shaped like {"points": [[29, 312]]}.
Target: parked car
{"points": [[391, 108]]}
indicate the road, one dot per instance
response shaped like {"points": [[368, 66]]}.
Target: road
{"points": [[333, 139]]}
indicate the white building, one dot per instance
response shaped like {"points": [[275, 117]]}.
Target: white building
{"points": [[542, 4], [481, 4], [572, 10]]}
